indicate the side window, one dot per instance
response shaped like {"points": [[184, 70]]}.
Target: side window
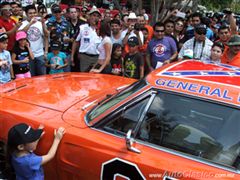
{"points": [[125, 118], [195, 127]]}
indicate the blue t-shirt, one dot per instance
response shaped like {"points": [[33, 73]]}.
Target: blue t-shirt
{"points": [[161, 49], [28, 167], [5, 74], [56, 59]]}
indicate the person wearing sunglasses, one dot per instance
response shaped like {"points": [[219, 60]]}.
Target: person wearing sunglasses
{"points": [[8, 24], [161, 49], [200, 44]]}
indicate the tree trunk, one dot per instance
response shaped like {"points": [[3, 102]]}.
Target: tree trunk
{"points": [[117, 5], [140, 6], [195, 5], [155, 7]]}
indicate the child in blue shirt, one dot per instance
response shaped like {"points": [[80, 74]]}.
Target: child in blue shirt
{"points": [[56, 60], [6, 71], [22, 141]]}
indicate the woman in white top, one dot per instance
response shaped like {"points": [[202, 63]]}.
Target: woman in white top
{"points": [[105, 49]]}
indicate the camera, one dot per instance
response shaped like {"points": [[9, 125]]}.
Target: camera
{"points": [[137, 27]]}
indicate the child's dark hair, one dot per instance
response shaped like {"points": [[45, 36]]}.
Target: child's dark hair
{"points": [[8, 169], [17, 44], [219, 44], [114, 47]]}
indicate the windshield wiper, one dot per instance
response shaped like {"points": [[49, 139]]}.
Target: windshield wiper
{"points": [[87, 105], [100, 102], [104, 99]]}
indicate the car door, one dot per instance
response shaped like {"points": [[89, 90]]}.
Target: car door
{"points": [[92, 153], [167, 143]]}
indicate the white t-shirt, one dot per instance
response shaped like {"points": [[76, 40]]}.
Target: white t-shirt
{"points": [[89, 40], [132, 34], [120, 40], [35, 36], [101, 49]]}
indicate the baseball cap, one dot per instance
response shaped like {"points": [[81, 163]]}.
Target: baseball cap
{"points": [[55, 45], [22, 134], [3, 37], [133, 41], [85, 8], [21, 35], [56, 9], [94, 10], [201, 29]]}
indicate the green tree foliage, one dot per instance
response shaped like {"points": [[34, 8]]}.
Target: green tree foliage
{"points": [[216, 4]]}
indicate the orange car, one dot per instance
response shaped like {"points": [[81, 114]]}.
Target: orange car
{"points": [[181, 122]]}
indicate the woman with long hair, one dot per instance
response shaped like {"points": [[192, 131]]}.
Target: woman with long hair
{"points": [[105, 49]]}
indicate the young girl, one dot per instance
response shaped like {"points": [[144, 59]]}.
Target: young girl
{"points": [[21, 56], [6, 71], [216, 52], [22, 141], [56, 60], [116, 59]]}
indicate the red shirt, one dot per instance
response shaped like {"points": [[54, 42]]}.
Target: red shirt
{"points": [[235, 61], [8, 25]]}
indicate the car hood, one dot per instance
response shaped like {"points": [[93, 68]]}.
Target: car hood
{"points": [[61, 91]]}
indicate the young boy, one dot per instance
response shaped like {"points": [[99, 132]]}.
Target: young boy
{"points": [[133, 64], [56, 60], [22, 141], [6, 71]]}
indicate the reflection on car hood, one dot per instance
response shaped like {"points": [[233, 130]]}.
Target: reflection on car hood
{"points": [[60, 91]]}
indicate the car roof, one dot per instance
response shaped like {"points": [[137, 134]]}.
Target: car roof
{"points": [[220, 82]]}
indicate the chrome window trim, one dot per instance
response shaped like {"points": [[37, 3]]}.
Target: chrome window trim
{"points": [[177, 153], [141, 118], [119, 136]]}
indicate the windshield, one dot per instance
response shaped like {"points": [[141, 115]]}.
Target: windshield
{"points": [[98, 110]]}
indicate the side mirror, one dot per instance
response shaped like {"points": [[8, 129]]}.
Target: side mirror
{"points": [[130, 141]]}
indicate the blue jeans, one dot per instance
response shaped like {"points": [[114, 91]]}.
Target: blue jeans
{"points": [[68, 67], [37, 66]]}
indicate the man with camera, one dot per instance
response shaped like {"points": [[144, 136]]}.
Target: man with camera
{"points": [[133, 30]]}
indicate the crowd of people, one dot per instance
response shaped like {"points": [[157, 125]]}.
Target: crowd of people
{"points": [[82, 39]]}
